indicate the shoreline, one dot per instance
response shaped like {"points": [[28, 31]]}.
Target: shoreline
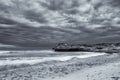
{"points": [[18, 58], [57, 68]]}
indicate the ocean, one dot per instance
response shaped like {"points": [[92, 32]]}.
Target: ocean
{"points": [[38, 56]]}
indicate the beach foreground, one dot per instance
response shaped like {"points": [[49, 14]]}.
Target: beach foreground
{"points": [[110, 71], [104, 67]]}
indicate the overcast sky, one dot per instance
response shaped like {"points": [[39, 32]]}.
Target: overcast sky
{"points": [[46, 22]]}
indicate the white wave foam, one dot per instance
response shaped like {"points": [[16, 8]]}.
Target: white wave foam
{"points": [[44, 59]]}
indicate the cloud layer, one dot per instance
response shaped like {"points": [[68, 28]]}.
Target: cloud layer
{"points": [[43, 22]]}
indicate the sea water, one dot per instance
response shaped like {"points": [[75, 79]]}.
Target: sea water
{"points": [[58, 56]]}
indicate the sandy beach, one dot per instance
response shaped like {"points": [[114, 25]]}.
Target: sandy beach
{"points": [[110, 71], [103, 67]]}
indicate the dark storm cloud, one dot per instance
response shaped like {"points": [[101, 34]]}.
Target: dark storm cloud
{"points": [[39, 22], [115, 2]]}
